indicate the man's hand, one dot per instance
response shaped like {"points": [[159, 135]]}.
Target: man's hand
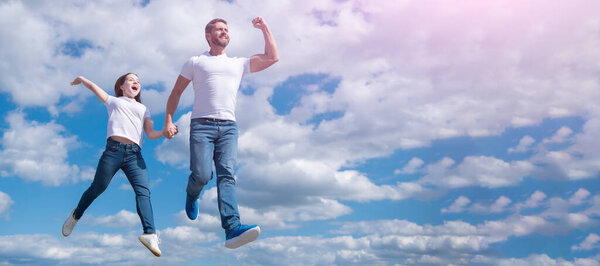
{"points": [[259, 62], [259, 23], [77, 81], [170, 130]]}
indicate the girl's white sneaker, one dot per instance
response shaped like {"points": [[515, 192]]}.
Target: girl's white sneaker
{"points": [[151, 242], [69, 224]]}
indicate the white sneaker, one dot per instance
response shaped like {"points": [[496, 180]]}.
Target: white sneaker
{"points": [[69, 224], [151, 242]]}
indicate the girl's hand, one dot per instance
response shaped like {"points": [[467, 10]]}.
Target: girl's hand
{"points": [[100, 93]]}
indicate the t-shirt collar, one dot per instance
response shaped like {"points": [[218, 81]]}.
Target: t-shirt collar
{"points": [[207, 53], [127, 99]]}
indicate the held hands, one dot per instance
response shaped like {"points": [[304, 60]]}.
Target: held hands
{"points": [[170, 130], [259, 23]]}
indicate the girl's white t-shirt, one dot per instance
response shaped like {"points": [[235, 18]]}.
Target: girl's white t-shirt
{"points": [[126, 118]]}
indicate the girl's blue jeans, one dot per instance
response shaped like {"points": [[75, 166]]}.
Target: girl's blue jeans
{"points": [[128, 158]]}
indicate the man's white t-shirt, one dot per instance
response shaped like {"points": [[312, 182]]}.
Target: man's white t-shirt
{"points": [[126, 118], [216, 81]]}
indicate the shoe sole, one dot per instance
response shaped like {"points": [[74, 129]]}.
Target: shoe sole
{"points": [[147, 245], [243, 239]]}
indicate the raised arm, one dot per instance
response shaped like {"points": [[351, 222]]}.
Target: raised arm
{"points": [[170, 129], [100, 93], [259, 62], [149, 129]]}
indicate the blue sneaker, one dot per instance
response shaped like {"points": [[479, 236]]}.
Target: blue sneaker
{"points": [[241, 235], [191, 207]]}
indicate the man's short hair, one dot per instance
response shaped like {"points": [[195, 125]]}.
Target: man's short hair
{"points": [[211, 24]]}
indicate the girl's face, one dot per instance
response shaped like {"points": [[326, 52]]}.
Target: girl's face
{"points": [[131, 87]]}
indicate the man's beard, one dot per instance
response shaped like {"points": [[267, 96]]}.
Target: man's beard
{"points": [[222, 43]]}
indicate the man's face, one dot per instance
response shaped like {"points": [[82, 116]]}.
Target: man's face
{"points": [[219, 35]]}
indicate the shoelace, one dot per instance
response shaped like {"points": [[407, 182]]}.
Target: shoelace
{"points": [[157, 237]]}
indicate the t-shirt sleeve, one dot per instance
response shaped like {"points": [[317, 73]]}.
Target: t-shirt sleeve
{"points": [[187, 71], [147, 113], [246, 65], [110, 102]]}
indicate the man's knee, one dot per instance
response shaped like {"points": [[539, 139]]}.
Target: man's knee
{"points": [[200, 178]]}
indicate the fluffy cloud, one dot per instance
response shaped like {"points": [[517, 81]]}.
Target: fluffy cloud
{"points": [[578, 161], [411, 167], [123, 218], [458, 205], [462, 204], [178, 245], [30, 148], [579, 197], [5, 202], [524, 145], [543, 259], [560, 136], [590, 242], [176, 151], [477, 171], [533, 201], [284, 216]]}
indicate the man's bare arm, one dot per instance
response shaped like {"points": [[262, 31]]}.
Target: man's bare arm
{"points": [[170, 129], [260, 62]]}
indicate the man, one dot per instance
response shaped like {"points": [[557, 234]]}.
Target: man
{"points": [[213, 130]]}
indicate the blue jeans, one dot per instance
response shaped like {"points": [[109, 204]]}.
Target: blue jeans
{"points": [[215, 141], [127, 157]]}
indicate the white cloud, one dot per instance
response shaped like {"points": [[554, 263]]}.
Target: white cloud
{"points": [[481, 171], [123, 218], [178, 245], [561, 135], [461, 204], [365, 242], [543, 259], [523, 146], [77, 249], [533, 201], [458, 205], [274, 216], [578, 161], [500, 205], [5, 203], [188, 235], [579, 197], [411, 167], [590, 242], [176, 151], [30, 148]]}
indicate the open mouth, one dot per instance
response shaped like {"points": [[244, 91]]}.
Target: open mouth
{"points": [[135, 88]]}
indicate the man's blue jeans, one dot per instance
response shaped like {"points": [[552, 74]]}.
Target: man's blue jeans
{"points": [[216, 141], [127, 157]]}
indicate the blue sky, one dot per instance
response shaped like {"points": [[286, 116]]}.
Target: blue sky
{"points": [[390, 132]]}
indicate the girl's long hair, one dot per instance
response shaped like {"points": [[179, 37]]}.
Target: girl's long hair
{"points": [[119, 92]]}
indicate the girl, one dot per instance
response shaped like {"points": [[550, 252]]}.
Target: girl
{"points": [[126, 118]]}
